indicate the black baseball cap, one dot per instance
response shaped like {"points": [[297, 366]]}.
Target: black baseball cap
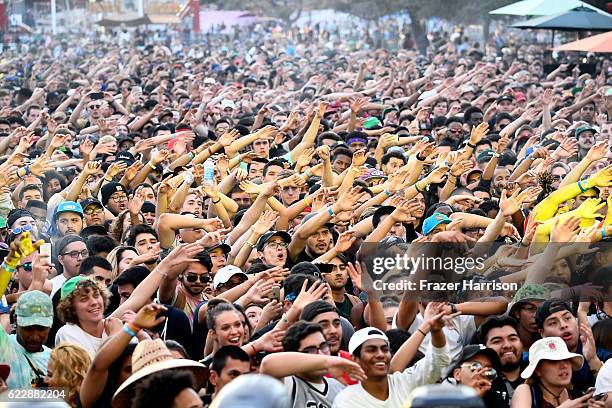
{"points": [[476, 349], [268, 235], [89, 201], [126, 157], [549, 307]]}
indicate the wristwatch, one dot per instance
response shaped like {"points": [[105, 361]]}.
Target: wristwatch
{"points": [[453, 308]]}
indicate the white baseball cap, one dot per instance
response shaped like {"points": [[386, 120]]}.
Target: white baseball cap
{"points": [[550, 348], [224, 274], [603, 383], [363, 335], [228, 103]]}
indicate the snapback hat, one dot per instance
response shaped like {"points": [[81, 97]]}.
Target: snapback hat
{"points": [[363, 335], [34, 308]]}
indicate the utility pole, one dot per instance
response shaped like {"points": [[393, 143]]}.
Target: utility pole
{"points": [[53, 17]]}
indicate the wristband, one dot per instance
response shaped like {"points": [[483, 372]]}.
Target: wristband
{"points": [[7, 268], [308, 174], [27, 169], [330, 212], [216, 202], [128, 330], [468, 144], [603, 233], [583, 185], [388, 193], [419, 157], [253, 346], [453, 308], [422, 332], [109, 179], [190, 155], [308, 201], [151, 165]]}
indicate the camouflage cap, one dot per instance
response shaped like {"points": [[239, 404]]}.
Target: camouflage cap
{"points": [[529, 292], [34, 308]]}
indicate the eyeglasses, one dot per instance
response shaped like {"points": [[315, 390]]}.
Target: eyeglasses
{"points": [[27, 266], [119, 197], [75, 254], [93, 210], [489, 373], [323, 348], [19, 230], [202, 278], [277, 245]]}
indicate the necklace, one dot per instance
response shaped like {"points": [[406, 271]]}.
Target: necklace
{"points": [[556, 397]]}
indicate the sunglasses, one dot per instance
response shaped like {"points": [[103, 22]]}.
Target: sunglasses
{"points": [[489, 373], [201, 278], [19, 230], [27, 266]]}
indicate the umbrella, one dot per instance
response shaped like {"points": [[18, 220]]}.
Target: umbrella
{"points": [[540, 7], [577, 19], [595, 43]]}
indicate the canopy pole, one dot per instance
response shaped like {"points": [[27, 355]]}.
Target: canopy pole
{"points": [[552, 43]]}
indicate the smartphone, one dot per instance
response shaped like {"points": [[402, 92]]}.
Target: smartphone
{"points": [[274, 294], [96, 95], [45, 250]]}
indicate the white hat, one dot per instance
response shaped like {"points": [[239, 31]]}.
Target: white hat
{"points": [[550, 348], [224, 274], [363, 335], [209, 81], [228, 103], [603, 383]]}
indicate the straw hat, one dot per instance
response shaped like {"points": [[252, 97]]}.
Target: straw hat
{"points": [[151, 356]]}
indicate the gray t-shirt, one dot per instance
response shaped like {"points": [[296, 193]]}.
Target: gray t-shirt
{"points": [[305, 394]]}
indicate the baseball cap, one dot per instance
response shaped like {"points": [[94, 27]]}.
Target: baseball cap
{"points": [[306, 268], [549, 307], [126, 157], [433, 221], [228, 103], [583, 129], [485, 156], [363, 335], [520, 96], [69, 206], [372, 122], [71, 284], [268, 235], [506, 97], [34, 308], [89, 201], [550, 348], [374, 174], [224, 274], [475, 349], [224, 247], [147, 206]]}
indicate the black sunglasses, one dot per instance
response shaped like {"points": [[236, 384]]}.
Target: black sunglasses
{"points": [[201, 278]]}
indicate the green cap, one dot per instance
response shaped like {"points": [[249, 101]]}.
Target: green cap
{"points": [[71, 284], [34, 308], [583, 129], [371, 122], [529, 292], [2, 222]]}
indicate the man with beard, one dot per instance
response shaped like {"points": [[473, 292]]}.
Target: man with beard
{"points": [[93, 211], [556, 319], [501, 176], [335, 273], [500, 334], [586, 139], [187, 291], [314, 237], [68, 219], [114, 197]]}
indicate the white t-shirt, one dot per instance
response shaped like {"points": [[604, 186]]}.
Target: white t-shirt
{"points": [[72, 333], [57, 282], [428, 370], [457, 336]]}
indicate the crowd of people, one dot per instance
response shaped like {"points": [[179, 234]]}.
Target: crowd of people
{"points": [[193, 225]]}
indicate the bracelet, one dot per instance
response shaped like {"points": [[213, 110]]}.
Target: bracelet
{"points": [[584, 187], [190, 155], [419, 157], [453, 308], [252, 245], [217, 202], [27, 169], [151, 165], [468, 144], [109, 179], [422, 332], [603, 233], [7, 268], [330, 212], [387, 193], [308, 201], [308, 174], [128, 330], [254, 349]]}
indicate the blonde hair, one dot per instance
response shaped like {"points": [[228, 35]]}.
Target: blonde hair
{"points": [[115, 256], [71, 363]]}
